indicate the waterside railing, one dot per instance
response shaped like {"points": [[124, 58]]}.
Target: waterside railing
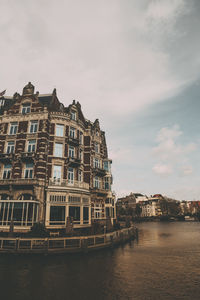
{"points": [[66, 244]]}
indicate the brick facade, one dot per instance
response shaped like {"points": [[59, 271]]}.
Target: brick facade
{"points": [[53, 163]]}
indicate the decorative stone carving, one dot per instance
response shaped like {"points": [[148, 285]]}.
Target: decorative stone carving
{"points": [[28, 89]]}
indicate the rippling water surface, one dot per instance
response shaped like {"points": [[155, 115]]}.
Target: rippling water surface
{"points": [[163, 264]]}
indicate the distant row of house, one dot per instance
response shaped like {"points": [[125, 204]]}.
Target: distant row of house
{"points": [[155, 206]]}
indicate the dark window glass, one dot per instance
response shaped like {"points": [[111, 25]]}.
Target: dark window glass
{"points": [[17, 213], [74, 212], [107, 212], [57, 215], [85, 213], [5, 214], [30, 212], [1, 212]]}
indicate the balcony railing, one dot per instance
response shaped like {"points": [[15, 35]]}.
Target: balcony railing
{"points": [[73, 141], [21, 181], [27, 156], [67, 183], [6, 157], [72, 161], [99, 190], [99, 171]]}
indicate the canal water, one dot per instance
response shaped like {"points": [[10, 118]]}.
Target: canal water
{"points": [[164, 263]]}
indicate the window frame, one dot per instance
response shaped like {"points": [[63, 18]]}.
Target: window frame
{"points": [[80, 175], [97, 182], [72, 132], [73, 115], [10, 148], [58, 152], [33, 145], [26, 108], [28, 171], [33, 126], [58, 131], [13, 128], [96, 147], [81, 137], [7, 171], [71, 151], [58, 171], [70, 175], [97, 163]]}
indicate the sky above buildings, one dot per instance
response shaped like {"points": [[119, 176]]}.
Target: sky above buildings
{"points": [[134, 64]]}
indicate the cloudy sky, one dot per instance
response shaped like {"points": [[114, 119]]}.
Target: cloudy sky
{"points": [[134, 64]]}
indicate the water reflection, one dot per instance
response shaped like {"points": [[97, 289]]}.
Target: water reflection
{"points": [[163, 264]]}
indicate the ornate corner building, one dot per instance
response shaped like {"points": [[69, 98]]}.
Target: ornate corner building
{"points": [[53, 164]]}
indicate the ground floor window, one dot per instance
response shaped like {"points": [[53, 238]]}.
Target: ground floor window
{"points": [[74, 212], [85, 215], [57, 215], [21, 213], [107, 211]]}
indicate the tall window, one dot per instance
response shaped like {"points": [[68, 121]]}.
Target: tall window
{"points": [[31, 145], [85, 214], [10, 147], [72, 132], [13, 128], [106, 165], [59, 130], [80, 154], [71, 151], [81, 138], [28, 172], [26, 108], [80, 175], [96, 182], [96, 163], [57, 215], [58, 150], [74, 212], [107, 183], [7, 171], [97, 212], [73, 115], [71, 175], [96, 147], [57, 172], [34, 126]]}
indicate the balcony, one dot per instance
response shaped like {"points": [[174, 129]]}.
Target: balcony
{"points": [[99, 191], [99, 172], [67, 183], [21, 181], [73, 141], [28, 156], [73, 162], [6, 157]]}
